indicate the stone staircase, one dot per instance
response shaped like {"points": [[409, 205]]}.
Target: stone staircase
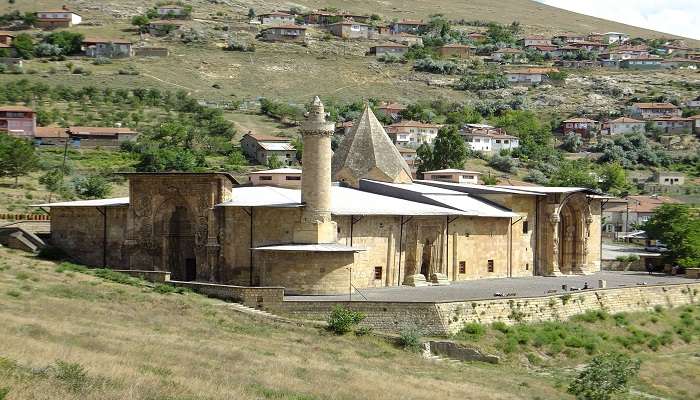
{"points": [[267, 316], [20, 239]]}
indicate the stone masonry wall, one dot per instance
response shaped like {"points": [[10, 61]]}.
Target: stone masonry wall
{"points": [[448, 318]]}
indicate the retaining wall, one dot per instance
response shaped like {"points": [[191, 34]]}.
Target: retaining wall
{"points": [[258, 297], [449, 317]]}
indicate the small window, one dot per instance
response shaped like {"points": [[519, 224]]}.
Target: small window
{"points": [[378, 273], [527, 267], [526, 227], [490, 265], [462, 267], [265, 178], [293, 178]]}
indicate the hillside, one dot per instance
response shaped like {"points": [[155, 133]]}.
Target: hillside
{"points": [[69, 334]]}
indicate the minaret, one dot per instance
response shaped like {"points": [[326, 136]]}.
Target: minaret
{"points": [[316, 225]]}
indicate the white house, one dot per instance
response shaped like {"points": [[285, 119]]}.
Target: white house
{"points": [[488, 139], [615, 37], [57, 19], [281, 177], [276, 18], [529, 76], [412, 133], [654, 110], [624, 125], [452, 175]]}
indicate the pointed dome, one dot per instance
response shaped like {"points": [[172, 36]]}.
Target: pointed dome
{"points": [[367, 152]]}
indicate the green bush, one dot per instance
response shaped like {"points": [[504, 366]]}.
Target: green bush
{"points": [[606, 376], [165, 289], [3, 392], [500, 326], [117, 277], [70, 267], [342, 320], [409, 339], [471, 331], [591, 316], [71, 374]]}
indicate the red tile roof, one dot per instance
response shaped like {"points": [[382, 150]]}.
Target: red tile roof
{"points": [[655, 105], [50, 132], [16, 109], [260, 137]]}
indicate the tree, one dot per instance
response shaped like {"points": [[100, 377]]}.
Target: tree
{"points": [[236, 160], [298, 144], [605, 376], [141, 21], [92, 187], [24, 46], [576, 173], [274, 162], [503, 163], [17, 157], [613, 179], [448, 151], [251, 13], [678, 227], [572, 143], [69, 42]]}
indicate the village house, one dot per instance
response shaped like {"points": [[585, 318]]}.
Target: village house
{"points": [[456, 50], [694, 103], [277, 18], [534, 40], [590, 46], [100, 136], [680, 63], [584, 127], [673, 124], [50, 136], [373, 227], [395, 49], [486, 138], [623, 125], [629, 213], [595, 37], [578, 64], [259, 148], [63, 18], [408, 26], [18, 121], [6, 37], [109, 48], [349, 30], [452, 175], [171, 11], [162, 27], [560, 52], [342, 128], [392, 110], [284, 33], [669, 178], [569, 38], [280, 177], [675, 50], [409, 155], [412, 133], [650, 62], [544, 50], [615, 37], [529, 76], [647, 111], [320, 17], [696, 123], [477, 36], [508, 54]]}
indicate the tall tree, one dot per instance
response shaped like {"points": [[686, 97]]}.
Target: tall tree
{"points": [[17, 157], [678, 227], [448, 151]]}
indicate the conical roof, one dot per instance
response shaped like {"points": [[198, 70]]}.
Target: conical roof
{"points": [[367, 152]]}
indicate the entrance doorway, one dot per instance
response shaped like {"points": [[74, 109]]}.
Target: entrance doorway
{"points": [[190, 269]]}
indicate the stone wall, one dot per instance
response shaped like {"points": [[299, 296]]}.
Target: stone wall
{"points": [[449, 317], [79, 231], [258, 297], [151, 276]]}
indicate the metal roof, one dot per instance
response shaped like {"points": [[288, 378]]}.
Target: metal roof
{"points": [[276, 146], [321, 247], [119, 201], [477, 189], [344, 201], [549, 189]]}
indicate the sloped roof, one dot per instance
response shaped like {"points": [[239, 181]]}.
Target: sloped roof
{"points": [[115, 202], [268, 138], [639, 204], [655, 105], [276, 171], [50, 132], [451, 171], [368, 152], [579, 119], [626, 120], [16, 109]]}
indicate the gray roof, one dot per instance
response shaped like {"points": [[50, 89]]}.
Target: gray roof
{"points": [[344, 201], [478, 189], [119, 201], [440, 197], [368, 152]]}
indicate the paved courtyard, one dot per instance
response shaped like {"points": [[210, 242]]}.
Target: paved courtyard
{"points": [[486, 288]]}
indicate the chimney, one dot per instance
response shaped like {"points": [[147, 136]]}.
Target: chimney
{"points": [[316, 225]]}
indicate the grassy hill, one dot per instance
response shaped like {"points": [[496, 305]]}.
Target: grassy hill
{"points": [[69, 334]]}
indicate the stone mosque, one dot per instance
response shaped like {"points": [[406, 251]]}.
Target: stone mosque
{"points": [[359, 219]]}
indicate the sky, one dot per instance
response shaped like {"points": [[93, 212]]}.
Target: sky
{"points": [[679, 17]]}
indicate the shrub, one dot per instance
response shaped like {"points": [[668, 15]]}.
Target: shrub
{"points": [[437, 66], [409, 339], [165, 289], [503, 163], [607, 375], [471, 331], [500, 326], [363, 331], [391, 59], [72, 374], [3, 392], [491, 80], [342, 320], [117, 277], [591, 316], [101, 61], [233, 45], [70, 267]]}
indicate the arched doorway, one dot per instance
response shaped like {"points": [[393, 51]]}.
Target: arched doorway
{"points": [[176, 234], [572, 232]]}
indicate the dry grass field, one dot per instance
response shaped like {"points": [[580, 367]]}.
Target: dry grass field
{"points": [[72, 335], [131, 342]]}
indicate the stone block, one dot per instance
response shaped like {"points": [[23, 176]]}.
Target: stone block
{"points": [[439, 279], [416, 280], [693, 273]]}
